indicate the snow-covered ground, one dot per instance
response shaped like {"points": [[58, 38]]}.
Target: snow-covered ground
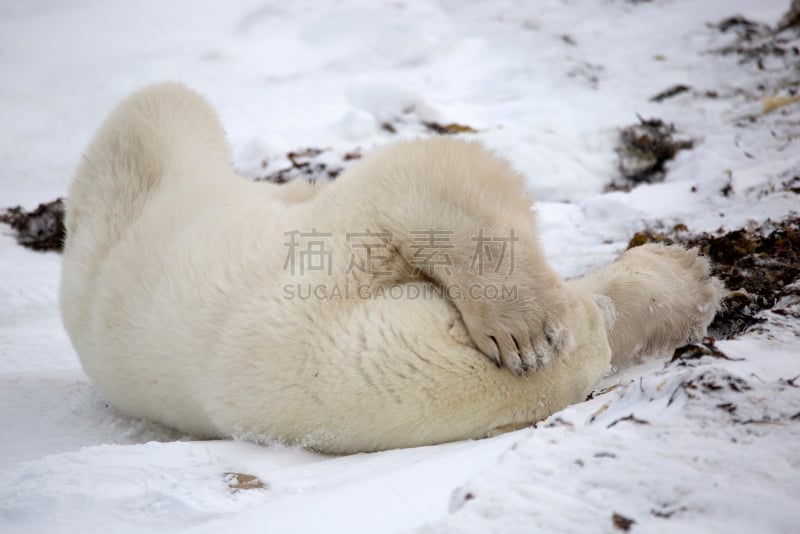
{"points": [[708, 445]]}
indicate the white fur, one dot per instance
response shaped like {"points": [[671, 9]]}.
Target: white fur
{"points": [[174, 293]]}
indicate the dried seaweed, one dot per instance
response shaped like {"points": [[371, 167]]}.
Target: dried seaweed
{"points": [[669, 93], [754, 42], [621, 522], [643, 150], [241, 482], [694, 351], [41, 229], [760, 266], [448, 129], [630, 418], [307, 163]]}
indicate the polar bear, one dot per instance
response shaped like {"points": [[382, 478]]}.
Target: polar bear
{"points": [[406, 303]]}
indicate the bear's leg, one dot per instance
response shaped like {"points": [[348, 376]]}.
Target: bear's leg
{"points": [[460, 217], [662, 296]]}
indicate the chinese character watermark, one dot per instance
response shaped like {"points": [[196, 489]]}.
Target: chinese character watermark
{"points": [[486, 249], [314, 256], [429, 250], [371, 243]]}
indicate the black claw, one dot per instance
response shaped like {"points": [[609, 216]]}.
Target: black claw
{"points": [[516, 344], [497, 361], [549, 338]]}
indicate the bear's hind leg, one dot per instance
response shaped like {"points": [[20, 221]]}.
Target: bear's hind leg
{"points": [[663, 296]]}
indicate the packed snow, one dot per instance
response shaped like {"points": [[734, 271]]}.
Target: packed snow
{"points": [[697, 445]]}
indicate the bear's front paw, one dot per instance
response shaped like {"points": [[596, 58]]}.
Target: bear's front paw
{"points": [[525, 331]]}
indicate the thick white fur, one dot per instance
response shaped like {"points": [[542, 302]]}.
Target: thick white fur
{"points": [[174, 293]]}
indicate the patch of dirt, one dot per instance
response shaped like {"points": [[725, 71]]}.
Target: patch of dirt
{"points": [[665, 512], [621, 522], [41, 229], [669, 93], [630, 418], [602, 391], [756, 42], [745, 29], [714, 383], [789, 182], [790, 19], [448, 129], [759, 265], [418, 119], [310, 164], [403, 123], [643, 150], [743, 401], [242, 482], [694, 351], [589, 73]]}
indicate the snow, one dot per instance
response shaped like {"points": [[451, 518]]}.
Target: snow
{"points": [[547, 85], [681, 464]]}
